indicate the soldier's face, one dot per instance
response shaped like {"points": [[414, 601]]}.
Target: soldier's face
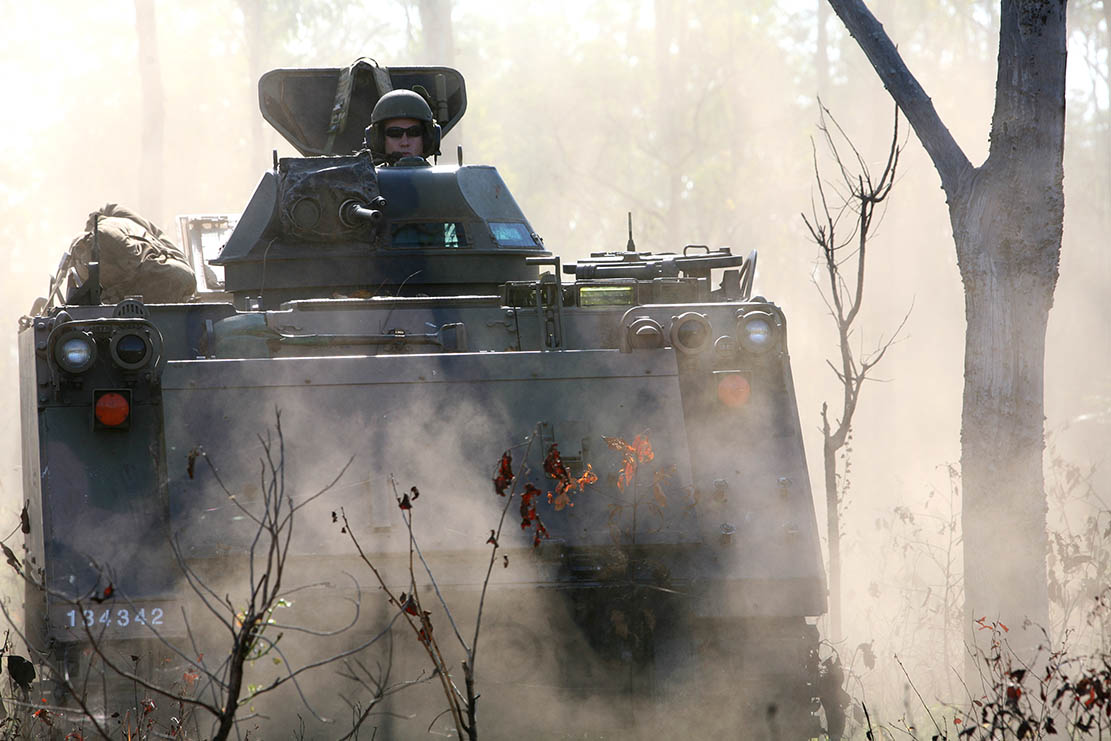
{"points": [[403, 136]]}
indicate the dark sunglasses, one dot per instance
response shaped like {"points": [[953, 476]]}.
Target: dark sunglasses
{"points": [[396, 132]]}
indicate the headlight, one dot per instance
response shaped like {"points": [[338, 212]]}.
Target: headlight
{"points": [[757, 331], [691, 332], [131, 349], [75, 353]]}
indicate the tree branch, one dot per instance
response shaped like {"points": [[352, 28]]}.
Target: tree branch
{"points": [[951, 163]]}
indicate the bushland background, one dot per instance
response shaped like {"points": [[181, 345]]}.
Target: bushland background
{"points": [[697, 116]]}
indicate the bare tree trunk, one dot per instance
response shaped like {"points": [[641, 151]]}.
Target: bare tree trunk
{"points": [[821, 54], [1007, 225], [436, 29], [668, 114], [151, 159], [253, 38], [833, 528], [439, 48], [1002, 438], [1007, 220], [1106, 212]]}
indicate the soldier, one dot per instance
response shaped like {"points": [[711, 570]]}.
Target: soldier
{"points": [[401, 125]]}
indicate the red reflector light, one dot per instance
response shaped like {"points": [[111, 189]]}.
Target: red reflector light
{"points": [[112, 409], [733, 390]]}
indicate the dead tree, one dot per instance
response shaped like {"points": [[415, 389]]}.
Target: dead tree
{"points": [[855, 197], [214, 690], [513, 487], [462, 704]]}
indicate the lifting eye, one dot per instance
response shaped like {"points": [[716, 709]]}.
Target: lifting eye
{"points": [[75, 352], [691, 332]]}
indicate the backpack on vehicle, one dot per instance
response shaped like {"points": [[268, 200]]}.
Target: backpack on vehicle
{"points": [[136, 259]]}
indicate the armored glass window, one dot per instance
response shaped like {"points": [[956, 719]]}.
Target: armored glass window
{"points": [[512, 234], [607, 296], [431, 235]]}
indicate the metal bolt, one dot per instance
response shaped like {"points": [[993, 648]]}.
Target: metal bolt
{"points": [[728, 530]]}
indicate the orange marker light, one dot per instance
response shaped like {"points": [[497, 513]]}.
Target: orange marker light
{"points": [[112, 409], [733, 390]]}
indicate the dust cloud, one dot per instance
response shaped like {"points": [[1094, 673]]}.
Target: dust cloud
{"points": [[702, 127]]}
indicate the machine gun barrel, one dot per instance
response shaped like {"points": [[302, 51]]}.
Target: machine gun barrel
{"points": [[638, 270], [668, 267], [353, 212]]}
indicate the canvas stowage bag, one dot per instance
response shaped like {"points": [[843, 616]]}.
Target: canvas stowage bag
{"points": [[136, 259]]}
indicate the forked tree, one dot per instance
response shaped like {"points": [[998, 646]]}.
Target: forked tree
{"points": [[1006, 215]]}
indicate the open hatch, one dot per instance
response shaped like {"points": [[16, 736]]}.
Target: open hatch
{"points": [[324, 111]]}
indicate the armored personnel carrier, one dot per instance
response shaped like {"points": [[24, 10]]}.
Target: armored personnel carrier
{"points": [[409, 325]]}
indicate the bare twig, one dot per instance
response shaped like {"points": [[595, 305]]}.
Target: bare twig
{"points": [[221, 692]]}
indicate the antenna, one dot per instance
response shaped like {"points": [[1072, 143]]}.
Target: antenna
{"points": [[631, 246], [93, 275]]}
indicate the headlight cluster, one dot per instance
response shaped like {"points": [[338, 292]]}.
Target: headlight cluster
{"points": [[755, 332], [131, 348]]}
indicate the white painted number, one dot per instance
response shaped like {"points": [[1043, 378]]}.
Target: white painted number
{"points": [[123, 617]]}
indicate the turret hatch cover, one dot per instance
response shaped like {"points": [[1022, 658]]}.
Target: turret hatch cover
{"points": [[325, 110]]}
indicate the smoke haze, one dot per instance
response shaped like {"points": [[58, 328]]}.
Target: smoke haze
{"points": [[701, 126]]}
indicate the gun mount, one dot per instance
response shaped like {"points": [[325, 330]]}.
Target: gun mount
{"points": [[339, 225]]}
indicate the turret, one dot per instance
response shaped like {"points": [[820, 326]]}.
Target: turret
{"points": [[337, 222]]}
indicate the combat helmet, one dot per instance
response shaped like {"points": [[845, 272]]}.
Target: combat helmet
{"points": [[402, 104]]}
